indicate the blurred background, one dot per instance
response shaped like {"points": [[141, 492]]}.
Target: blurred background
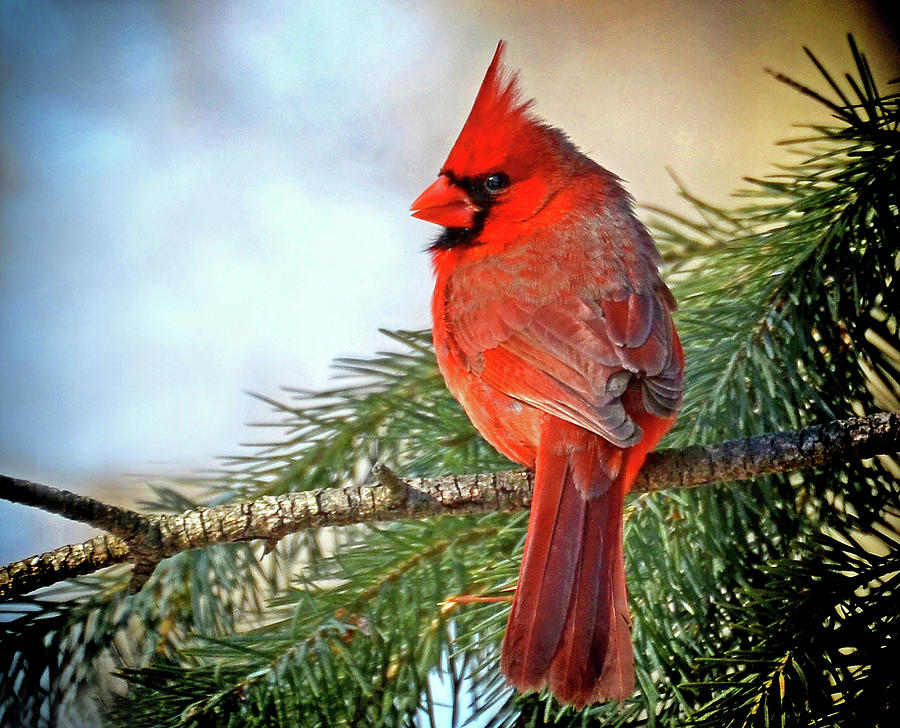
{"points": [[202, 199]]}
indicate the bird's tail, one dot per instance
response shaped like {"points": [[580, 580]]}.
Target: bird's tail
{"points": [[569, 627]]}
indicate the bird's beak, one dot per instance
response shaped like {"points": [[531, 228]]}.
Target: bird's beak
{"points": [[444, 203]]}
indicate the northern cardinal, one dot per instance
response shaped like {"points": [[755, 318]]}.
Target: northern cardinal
{"points": [[553, 329]]}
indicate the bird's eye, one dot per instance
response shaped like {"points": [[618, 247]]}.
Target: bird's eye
{"points": [[495, 183]]}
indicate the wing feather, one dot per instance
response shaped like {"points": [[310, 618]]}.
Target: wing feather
{"points": [[576, 356]]}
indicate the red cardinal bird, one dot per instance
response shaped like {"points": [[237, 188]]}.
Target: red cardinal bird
{"points": [[553, 329]]}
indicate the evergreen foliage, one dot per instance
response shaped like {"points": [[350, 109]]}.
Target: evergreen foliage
{"points": [[767, 603]]}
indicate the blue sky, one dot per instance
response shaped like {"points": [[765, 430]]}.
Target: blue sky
{"points": [[193, 206]]}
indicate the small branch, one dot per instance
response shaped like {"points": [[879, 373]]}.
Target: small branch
{"points": [[751, 457], [119, 521], [66, 562], [146, 540]]}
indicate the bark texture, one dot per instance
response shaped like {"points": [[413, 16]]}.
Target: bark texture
{"points": [[145, 540]]}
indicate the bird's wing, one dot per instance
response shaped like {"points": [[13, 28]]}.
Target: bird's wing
{"points": [[575, 357]]}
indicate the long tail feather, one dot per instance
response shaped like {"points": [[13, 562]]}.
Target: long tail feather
{"points": [[550, 559], [569, 626]]}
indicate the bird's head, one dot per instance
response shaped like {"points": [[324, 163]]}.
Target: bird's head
{"points": [[503, 169]]}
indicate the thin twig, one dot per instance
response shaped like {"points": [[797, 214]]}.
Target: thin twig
{"points": [[118, 521]]}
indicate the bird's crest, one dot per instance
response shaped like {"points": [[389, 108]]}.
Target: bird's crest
{"points": [[498, 118]]}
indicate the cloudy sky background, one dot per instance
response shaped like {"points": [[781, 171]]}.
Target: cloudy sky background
{"points": [[198, 200]]}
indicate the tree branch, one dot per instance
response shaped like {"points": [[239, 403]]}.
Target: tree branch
{"points": [[146, 540], [118, 521]]}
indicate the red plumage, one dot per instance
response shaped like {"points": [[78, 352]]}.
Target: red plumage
{"points": [[553, 329]]}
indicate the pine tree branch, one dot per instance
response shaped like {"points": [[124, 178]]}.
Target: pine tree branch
{"points": [[118, 521], [146, 540]]}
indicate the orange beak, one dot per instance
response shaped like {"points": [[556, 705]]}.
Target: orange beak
{"points": [[444, 203]]}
